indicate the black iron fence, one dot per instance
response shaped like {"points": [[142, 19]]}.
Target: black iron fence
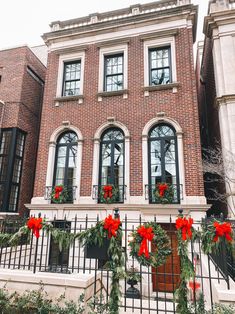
{"points": [[153, 289]]}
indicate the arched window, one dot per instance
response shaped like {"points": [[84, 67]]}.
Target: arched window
{"points": [[112, 158], [163, 160], [65, 162]]}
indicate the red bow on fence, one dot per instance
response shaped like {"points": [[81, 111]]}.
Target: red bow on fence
{"points": [[147, 235], [185, 225], [58, 190], [111, 225], [223, 230], [35, 224], [162, 189], [108, 189]]}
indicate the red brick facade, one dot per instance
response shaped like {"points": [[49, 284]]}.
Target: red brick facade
{"points": [[134, 112], [22, 96]]}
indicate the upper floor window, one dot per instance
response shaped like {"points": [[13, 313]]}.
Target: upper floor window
{"points": [[159, 62], [113, 80], [160, 66], [72, 78], [113, 70], [70, 75]]}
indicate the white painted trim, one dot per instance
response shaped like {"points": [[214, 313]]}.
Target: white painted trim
{"points": [[96, 154], [66, 58], [179, 134], [51, 157], [156, 43], [109, 51]]}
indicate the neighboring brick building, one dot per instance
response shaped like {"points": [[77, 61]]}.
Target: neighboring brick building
{"points": [[216, 93], [118, 84], [22, 78]]}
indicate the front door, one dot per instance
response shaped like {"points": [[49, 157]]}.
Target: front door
{"points": [[166, 278]]}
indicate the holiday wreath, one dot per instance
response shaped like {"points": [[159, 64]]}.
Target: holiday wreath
{"points": [[146, 234], [164, 193], [59, 194], [108, 194]]}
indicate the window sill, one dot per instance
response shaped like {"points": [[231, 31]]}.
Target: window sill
{"points": [[172, 86], [78, 98], [123, 92]]}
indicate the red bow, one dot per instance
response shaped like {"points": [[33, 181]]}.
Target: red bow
{"points": [[111, 225], [108, 191], [223, 230], [162, 189], [35, 224], [147, 235], [186, 227], [194, 285], [58, 190]]}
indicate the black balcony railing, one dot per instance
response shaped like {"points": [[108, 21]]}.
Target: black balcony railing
{"points": [[118, 193], [173, 194], [69, 193]]}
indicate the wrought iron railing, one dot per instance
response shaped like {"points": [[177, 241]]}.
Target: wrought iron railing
{"points": [[118, 195], [173, 194], [70, 192]]}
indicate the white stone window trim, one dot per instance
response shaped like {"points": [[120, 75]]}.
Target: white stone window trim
{"points": [[52, 153], [69, 58], [158, 43], [96, 155], [112, 50], [145, 160]]}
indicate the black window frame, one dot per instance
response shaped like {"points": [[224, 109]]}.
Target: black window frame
{"points": [[68, 146], [12, 157], [162, 141], [150, 69], [74, 80], [108, 56]]}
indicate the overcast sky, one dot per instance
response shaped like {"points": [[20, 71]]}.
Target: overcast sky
{"points": [[24, 21]]}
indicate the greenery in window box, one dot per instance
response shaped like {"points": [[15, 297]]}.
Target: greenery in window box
{"points": [[164, 193], [109, 194], [59, 194]]}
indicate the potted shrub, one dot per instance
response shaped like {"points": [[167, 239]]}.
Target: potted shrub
{"points": [[133, 277]]}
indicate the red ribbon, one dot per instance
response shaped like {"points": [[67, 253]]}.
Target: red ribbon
{"points": [[194, 285], [111, 224], [222, 230], [185, 225], [147, 235], [108, 191], [58, 190], [162, 189], [35, 224]]}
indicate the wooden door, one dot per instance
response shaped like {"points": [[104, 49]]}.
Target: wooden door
{"points": [[166, 278]]}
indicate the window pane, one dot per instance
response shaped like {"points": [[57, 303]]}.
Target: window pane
{"points": [[162, 131], [6, 142], [161, 76], [114, 73], [17, 170], [72, 76], [13, 198]]}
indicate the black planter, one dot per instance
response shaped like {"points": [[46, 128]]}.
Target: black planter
{"points": [[98, 252], [132, 292]]}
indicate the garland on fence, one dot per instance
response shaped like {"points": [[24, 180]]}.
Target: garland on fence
{"points": [[150, 232], [110, 228], [185, 232], [213, 233]]}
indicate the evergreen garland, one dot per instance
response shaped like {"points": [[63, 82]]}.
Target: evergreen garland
{"points": [[186, 272]]}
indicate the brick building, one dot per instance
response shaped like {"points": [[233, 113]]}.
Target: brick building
{"points": [[22, 78], [120, 108], [216, 95]]}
